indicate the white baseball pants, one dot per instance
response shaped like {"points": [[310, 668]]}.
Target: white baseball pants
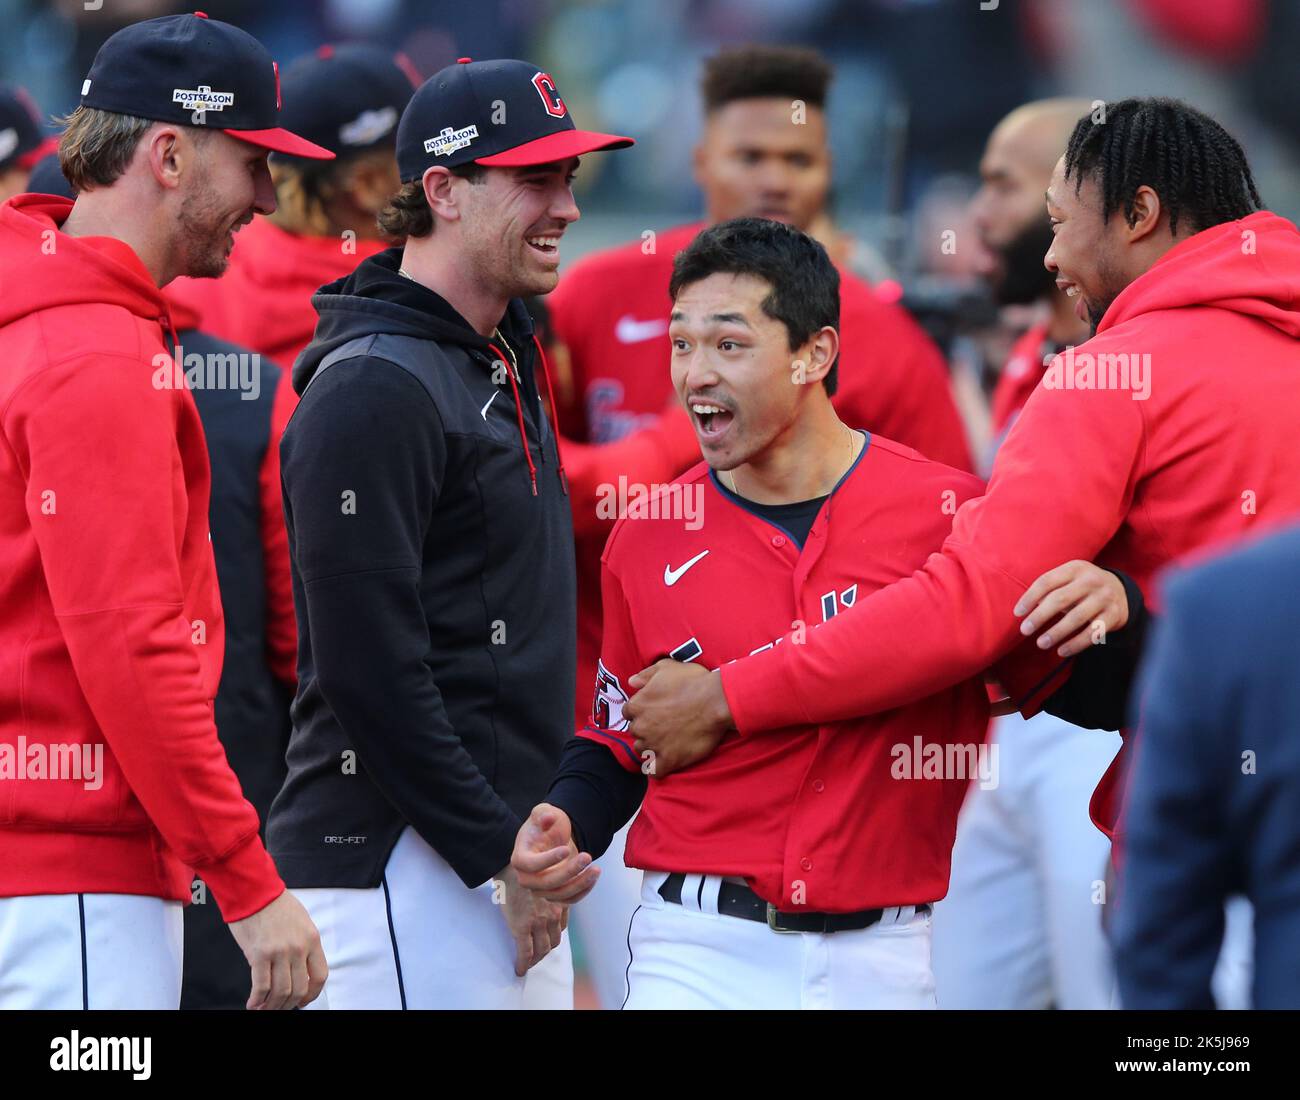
{"points": [[423, 940], [689, 956], [70, 951], [599, 923], [1021, 925]]}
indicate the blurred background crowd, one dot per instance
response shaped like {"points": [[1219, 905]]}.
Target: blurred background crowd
{"points": [[906, 129]]}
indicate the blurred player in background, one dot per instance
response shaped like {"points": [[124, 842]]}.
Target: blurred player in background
{"points": [[764, 153], [23, 141], [1021, 925]]}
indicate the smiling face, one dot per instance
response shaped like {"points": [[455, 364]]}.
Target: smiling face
{"points": [[1085, 253], [733, 369], [229, 183], [511, 226], [755, 160]]}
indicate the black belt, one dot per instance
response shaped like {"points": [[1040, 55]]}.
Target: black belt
{"points": [[735, 900]]}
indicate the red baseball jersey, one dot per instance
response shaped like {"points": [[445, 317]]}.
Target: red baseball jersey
{"points": [[836, 817], [610, 311]]}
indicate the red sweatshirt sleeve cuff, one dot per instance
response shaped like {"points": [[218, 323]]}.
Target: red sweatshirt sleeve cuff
{"points": [[761, 693], [244, 882]]}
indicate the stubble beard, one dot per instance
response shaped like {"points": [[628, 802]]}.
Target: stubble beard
{"points": [[202, 235]]}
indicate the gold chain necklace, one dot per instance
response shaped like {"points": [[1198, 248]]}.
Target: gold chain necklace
{"points": [[730, 475], [505, 344]]}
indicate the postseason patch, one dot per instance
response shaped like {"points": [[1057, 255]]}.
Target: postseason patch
{"points": [[202, 98], [449, 140]]}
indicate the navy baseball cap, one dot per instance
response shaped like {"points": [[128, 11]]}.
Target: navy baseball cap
{"points": [[195, 71], [502, 114], [348, 97], [22, 141]]}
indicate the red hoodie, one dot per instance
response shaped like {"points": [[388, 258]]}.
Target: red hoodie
{"points": [[1210, 453], [112, 635]]}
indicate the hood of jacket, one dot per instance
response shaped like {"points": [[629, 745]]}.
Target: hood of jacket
{"points": [[375, 298], [51, 269], [1250, 266]]}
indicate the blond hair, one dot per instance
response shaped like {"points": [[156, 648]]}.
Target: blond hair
{"points": [[97, 146]]}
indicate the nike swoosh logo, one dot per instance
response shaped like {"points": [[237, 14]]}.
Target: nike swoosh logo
{"points": [[631, 331], [483, 411], [672, 576]]}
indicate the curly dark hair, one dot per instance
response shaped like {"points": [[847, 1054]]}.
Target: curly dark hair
{"points": [[1196, 167], [407, 213], [759, 72]]}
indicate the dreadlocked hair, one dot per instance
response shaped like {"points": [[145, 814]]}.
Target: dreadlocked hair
{"points": [[1196, 167]]}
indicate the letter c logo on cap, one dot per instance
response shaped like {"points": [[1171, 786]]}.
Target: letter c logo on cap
{"points": [[550, 97]]}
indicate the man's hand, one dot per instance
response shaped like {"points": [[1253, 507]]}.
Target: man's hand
{"points": [[283, 950], [1088, 601], [534, 923], [547, 861], [678, 715]]}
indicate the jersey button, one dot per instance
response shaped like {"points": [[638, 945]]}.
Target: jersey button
{"points": [[778, 541], [818, 786], [806, 863]]}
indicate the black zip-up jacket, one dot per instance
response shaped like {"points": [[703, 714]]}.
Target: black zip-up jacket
{"points": [[433, 578]]}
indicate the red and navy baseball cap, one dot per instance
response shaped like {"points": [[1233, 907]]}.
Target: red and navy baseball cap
{"points": [[349, 97], [503, 114], [22, 141], [195, 71]]}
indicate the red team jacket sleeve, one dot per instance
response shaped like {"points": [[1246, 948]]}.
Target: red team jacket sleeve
{"points": [[114, 579], [653, 455], [281, 626], [1061, 486], [619, 658]]}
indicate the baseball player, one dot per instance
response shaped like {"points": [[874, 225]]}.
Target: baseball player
{"points": [[764, 152], [115, 787], [432, 561], [1161, 434], [835, 831], [1021, 927]]}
